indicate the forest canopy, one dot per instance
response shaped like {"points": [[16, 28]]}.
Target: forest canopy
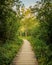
{"points": [[34, 23]]}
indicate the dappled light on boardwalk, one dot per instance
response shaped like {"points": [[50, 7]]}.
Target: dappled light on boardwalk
{"points": [[25, 56]]}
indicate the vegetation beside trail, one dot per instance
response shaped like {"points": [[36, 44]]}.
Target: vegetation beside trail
{"points": [[41, 37], [38, 27], [17, 21], [8, 51], [41, 50], [9, 24]]}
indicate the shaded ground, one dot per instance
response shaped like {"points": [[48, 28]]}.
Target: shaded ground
{"points": [[25, 56]]}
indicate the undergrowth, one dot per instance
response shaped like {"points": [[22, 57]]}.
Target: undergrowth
{"points": [[8, 51], [42, 51]]}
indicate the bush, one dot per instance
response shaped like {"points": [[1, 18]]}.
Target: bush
{"points": [[42, 51], [8, 51]]}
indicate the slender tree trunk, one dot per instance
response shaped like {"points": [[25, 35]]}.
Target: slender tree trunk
{"points": [[26, 33]]}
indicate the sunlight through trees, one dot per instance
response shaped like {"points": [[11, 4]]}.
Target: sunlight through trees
{"points": [[34, 23]]}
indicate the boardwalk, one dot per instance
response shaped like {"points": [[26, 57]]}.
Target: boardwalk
{"points": [[25, 56]]}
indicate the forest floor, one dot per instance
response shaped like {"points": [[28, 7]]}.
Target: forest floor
{"points": [[25, 56]]}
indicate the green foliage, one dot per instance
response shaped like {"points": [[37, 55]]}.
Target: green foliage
{"points": [[42, 37], [44, 15], [12, 26], [27, 25], [42, 51], [9, 24], [8, 51], [39, 28], [9, 20]]}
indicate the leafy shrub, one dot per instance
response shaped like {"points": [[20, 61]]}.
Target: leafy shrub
{"points": [[8, 51], [42, 51]]}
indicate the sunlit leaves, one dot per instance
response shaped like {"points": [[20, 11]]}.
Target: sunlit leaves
{"points": [[28, 23]]}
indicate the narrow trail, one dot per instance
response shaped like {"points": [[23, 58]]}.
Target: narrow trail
{"points": [[25, 56]]}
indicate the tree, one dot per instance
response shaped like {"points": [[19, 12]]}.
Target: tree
{"points": [[8, 19], [43, 11], [28, 23]]}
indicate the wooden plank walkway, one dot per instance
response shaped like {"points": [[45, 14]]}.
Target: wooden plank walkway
{"points": [[25, 56]]}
